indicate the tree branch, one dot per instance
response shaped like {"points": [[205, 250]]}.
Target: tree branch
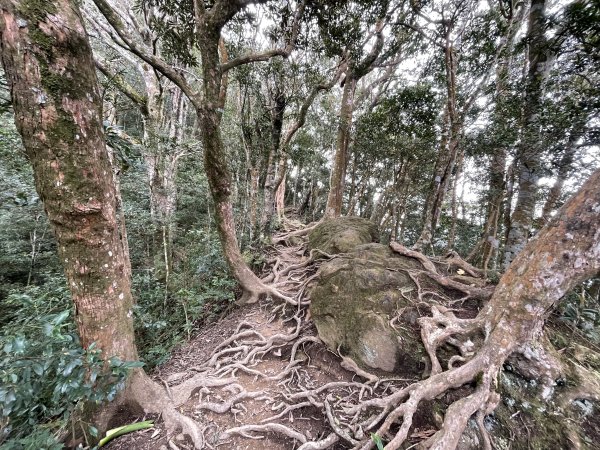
{"points": [[119, 82], [157, 63], [268, 54]]}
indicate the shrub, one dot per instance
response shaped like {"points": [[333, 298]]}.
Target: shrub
{"points": [[45, 374]]}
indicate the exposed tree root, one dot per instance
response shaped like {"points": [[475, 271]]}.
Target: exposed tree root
{"points": [[388, 407], [454, 259], [296, 233], [402, 250], [153, 399], [246, 430]]}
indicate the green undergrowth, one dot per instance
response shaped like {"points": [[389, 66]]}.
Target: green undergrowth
{"points": [[45, 375], [198, 291]]}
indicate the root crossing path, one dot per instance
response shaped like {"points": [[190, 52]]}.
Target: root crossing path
{"points": [[261, 378]]}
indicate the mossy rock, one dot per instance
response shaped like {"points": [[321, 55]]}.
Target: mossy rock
{"points": [[342, 235], [354, 301]]}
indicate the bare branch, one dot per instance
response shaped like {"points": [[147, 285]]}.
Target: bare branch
{"points": [[122, 85]]}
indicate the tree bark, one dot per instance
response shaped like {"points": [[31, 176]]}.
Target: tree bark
{"points": [[216, 161], [58, 113], [565, 253], [271, 184], [565, 168], [529, 151], [486, 250], [340, 161], [446, 160]]}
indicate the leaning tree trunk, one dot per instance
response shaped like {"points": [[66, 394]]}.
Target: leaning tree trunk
{"points": [[217, 167], [565, 253], [529, 151], [58, 113]]}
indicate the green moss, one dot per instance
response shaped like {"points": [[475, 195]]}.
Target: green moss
{"points": [[75, 46], [342, 234], [354, 301], [64, 129], [478, 379], [36, 10]]}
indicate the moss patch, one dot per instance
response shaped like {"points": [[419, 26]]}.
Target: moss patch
{"points": [[342, 235]]}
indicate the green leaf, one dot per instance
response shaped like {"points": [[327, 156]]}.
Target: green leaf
{"points": [[378, 442], [69, 368], [60, 318], [133, 364], [120, 431], [38, 369]]}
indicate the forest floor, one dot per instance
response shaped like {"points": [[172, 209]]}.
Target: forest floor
{"points": [[279, 373], [260, 378]]}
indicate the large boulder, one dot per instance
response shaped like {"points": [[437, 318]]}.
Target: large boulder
{"points": [[342, 234], [365, 305], [353, 304]]}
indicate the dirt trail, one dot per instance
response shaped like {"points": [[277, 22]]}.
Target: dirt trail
{"points": [[261, 379], [279, 379]]}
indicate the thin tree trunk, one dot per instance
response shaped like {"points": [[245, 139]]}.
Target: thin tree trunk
{"points": [[446, 158], [457, 175], [565, 167], [510, 192], [340, 161], [272, 184], [279, 200]]}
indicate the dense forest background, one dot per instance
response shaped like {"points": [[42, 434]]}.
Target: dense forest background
{"points": [[458, 125]]}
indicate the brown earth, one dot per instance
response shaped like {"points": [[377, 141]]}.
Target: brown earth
{"points": [[284, 389]]}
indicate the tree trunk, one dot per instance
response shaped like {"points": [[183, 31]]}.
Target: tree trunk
{"points": [[446, 160], [565, 167], [280, 199], [529, 151], [58, 113], [272, 183], [565, 253], [340, 161], [457, 175], [217, 167], [496, 197], [446, 155]]}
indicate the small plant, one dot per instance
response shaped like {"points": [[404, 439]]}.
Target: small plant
{"points": [[377, 440]]}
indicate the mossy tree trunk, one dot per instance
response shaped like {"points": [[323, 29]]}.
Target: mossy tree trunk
{"points": [[208, 104], [529, 151], [49, 67], [215, 159], [58, 112]]}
